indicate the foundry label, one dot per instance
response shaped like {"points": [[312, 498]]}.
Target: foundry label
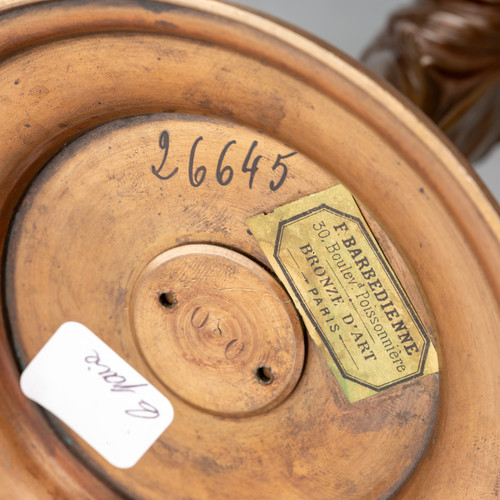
{"points": [[351, 300]]}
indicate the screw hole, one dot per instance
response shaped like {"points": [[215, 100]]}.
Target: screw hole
{"points": [[264, 375], [167, 300]]}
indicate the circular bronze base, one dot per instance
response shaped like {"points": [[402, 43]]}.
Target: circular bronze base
{"points": [[135, 129], [158, 269]]}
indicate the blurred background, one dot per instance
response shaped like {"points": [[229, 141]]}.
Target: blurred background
{"points": [[351, 26]]}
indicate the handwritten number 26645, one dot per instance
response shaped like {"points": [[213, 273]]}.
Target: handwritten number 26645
{"points": [[224, 173]]}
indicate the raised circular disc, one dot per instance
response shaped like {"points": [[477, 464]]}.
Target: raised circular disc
{"points": [[217, 330], [107, 238]]}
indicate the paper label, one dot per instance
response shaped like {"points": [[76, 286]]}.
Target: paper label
{"points": [[349, 297], [83, 382]]}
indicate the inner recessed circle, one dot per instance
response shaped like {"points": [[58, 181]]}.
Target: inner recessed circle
{"points": [[217, 330]]}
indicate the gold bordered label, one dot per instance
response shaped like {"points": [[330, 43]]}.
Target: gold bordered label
{"points": [[351, 301]]}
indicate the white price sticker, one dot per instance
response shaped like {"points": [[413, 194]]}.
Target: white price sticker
{"points": [[83, 382]]}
